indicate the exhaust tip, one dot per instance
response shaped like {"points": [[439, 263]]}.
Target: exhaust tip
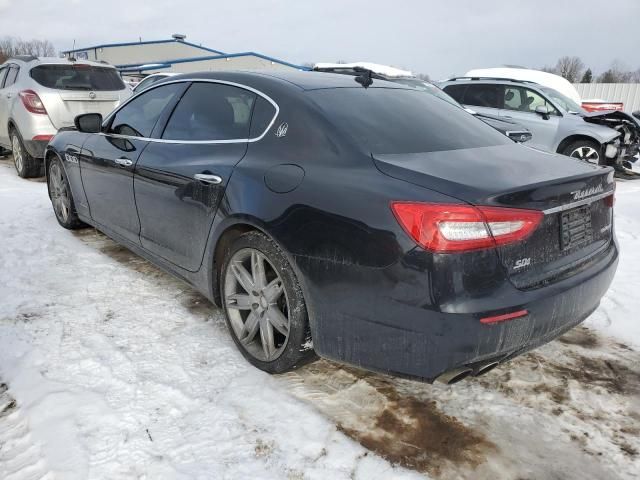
{"points": [[485, 368], [454, 376]]}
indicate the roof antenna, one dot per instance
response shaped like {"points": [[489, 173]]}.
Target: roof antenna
{"points": [[365, 79]]}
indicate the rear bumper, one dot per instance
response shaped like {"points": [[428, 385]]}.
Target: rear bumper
{"points": [[36, 148], [365, 317]]}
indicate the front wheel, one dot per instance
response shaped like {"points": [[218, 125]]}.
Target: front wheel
{"points": [[264, 306], [586, 150], [61, 198]]}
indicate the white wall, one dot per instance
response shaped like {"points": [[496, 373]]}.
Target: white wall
{"points": [[627, 93], [144, 53]]}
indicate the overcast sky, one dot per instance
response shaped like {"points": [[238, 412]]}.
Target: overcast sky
{"points": [[439, 38]]}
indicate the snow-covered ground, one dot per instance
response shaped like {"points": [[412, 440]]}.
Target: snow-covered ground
{"points": [[114, 370]]}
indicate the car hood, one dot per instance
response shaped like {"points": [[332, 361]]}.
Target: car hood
{"points": [[611, 118]]}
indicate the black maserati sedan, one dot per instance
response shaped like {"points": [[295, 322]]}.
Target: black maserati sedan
{"points": [[365, 222]]}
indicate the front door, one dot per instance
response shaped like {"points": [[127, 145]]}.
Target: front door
{"points": [[520, 105], [180, 179], [108, 160]]}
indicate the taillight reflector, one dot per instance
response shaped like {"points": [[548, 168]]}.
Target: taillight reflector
{"points": [[42, 138], [448, 228], [32, 102], [505, 317]]}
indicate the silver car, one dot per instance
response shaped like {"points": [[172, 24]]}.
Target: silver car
{"points": [[39, 96], [557, 123]]}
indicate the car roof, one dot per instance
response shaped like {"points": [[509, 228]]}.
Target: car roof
{"points": [[34, 61], [303, 80]]}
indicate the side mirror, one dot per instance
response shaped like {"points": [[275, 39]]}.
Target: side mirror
{"points": [[89, 123], [520, 137], [543, 110]]}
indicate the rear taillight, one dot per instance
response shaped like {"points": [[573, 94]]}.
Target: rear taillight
{"points": [[610, 200], [32, 102], [447, 228]]}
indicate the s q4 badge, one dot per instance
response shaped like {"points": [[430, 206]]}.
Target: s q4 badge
{"points": [[282, 129]]}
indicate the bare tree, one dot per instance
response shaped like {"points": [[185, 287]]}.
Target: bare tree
{"points": [[617, 73], [10, 46], [423, 76], [570, 68]]}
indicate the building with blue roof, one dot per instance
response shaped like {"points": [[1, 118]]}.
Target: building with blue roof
{"points": [[136, 59]]}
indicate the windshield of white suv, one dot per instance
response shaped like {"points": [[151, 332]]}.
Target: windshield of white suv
{"points": [[565, 102], [77, 76]]}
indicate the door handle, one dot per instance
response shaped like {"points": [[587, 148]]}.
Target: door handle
{"points": [[124, 162], [206, 178]]}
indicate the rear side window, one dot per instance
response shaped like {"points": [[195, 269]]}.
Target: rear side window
{"points": [[77, 77], [211, 111], [11, 76], [138, 117], [3, 74], [483, 95], [456, 91], [388, 121], [263, 114]]}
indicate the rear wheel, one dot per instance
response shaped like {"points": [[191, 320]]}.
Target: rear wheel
{"points": [[264, 306], [61, 198], [585, 150], [26, 165]]}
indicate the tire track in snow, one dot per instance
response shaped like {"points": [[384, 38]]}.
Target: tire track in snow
{"points": [[20, 457]]}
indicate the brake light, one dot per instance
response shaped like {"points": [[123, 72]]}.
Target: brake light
{"points": [[42, 138], [448, 228], [610, 200], [32, 102], [504, 318]]}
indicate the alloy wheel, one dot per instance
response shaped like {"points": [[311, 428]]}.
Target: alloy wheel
{"points": [[257, 305], [59, 193], [586, 153], [17, 153]]}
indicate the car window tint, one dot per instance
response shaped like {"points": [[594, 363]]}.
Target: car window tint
{"points": [[456, 91], [211, 111], [263, 113], [385, 121], [534, 100], [138, 117], [77, 77], [12, 74], [483, 95]]}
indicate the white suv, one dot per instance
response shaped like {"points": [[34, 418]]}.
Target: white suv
{"points": [[38, 96]]}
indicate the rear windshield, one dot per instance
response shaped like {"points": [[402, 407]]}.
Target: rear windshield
{"points": [[391, 120], [77, 77]]}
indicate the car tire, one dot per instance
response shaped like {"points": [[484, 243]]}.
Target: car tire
{"points": [[26, 165], [270, 329], [585, 150], [61, 197]]}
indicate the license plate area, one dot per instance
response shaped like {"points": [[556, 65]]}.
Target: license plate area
{"points": [[575, 228]]}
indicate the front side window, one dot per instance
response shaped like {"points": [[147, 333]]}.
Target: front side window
{"points": [[522, 99], [79, 76], [211, 111], [565, 102], [138, 117]]}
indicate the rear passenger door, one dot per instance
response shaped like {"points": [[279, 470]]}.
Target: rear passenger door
{"points": [[8, 75], [181, 177]]}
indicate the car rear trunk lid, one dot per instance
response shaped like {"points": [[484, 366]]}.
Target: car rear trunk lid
{"points": [[574, 196]]}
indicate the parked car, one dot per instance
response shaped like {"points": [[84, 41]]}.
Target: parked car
{"points": [[376, 226], [558, 124], [511, 129], [38, 96], [151, 79]]}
